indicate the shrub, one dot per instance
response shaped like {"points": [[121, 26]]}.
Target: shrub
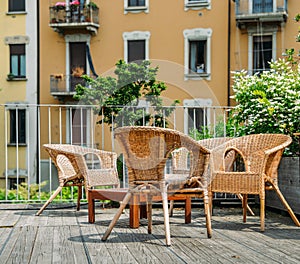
{"points": [[268, 102]]}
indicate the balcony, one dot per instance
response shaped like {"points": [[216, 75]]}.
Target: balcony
{"points": [[74, 17], [250, 12], [64, 85]]}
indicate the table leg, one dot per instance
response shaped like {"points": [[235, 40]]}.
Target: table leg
{"points": [[134, 214]]}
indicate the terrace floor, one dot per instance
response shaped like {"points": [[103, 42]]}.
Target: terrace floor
{"points": [[63, 235]]}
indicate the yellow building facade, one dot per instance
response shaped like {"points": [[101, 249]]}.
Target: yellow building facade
{"points": [[18, 84]]}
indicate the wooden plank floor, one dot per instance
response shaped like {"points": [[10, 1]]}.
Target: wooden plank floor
{"points": [[62, 235]]}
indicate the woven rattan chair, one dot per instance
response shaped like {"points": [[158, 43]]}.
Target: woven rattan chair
{"points": [[146, 150], [88, 167], [260, 155], [180, 163]]}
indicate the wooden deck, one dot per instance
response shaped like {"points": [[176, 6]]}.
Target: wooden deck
{"points": [[62, 235]]}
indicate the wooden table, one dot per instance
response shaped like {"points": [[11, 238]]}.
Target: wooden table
{"points": [[137, 206]]}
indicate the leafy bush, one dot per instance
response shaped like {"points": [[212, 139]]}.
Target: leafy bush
{"points": [[268, 102], [21, 194]]}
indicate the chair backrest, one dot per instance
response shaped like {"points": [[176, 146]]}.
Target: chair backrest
{"points": [[259, 152], [95, 167], [180, 156], [146, 150]]}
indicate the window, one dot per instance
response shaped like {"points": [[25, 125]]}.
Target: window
{"points": [[136, 50], [18, 60], [197, 53], [136, 3], [196, 114], [76, 59], [13, 182], [78, 64], [17, 126], [196, 4], [136, 45], [79, 126], [262, 6], [262, 53], [197, 57], [16, 6], [136, 6]]}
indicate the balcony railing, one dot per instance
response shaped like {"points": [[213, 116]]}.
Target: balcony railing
{"points": [[74, 17], [25, 128], [64, 85], [251, 11]]}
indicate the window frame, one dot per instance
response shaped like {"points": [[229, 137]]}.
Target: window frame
{"points": [[197, 4], [21, 60], [136, 9], [86, 38], [136, 35], [197, 34], [266, 32], [258, 54], [12, 8]]}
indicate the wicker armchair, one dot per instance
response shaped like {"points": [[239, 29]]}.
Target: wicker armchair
{"points": [[180, 163], [73, 162], [146, 150], [260, 155]]}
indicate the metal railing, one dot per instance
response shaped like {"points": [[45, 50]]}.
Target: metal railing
{"points": [[61, 84], [74, 14], [247, 7], [27, 173]]}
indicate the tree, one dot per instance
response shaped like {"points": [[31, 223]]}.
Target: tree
{"points": [[116, 99]]}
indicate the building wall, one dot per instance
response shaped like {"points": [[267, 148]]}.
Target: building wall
{"points": [[18, 27], [285, 37]]}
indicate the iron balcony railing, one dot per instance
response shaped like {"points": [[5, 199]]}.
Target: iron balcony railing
{"points": [[27, 173], [64, 85], [76, 17], [250, 11]]}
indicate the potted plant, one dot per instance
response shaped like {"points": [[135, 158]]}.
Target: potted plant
{"points": [[10, 76], [77, 71], [92, 5]]}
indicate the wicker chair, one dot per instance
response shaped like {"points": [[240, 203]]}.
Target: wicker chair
{"points": [[180, 163], [260, 155], [73, 162], [146, 150]]}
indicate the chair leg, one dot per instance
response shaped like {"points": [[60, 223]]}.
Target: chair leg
{"points": [[262, 214], [248, 207], [149, 213], [171, 208], [285, 203], [79, 197], [117, 216], [57, 191], [244, 202], [210, 201], [166, 214], [207, 212]]}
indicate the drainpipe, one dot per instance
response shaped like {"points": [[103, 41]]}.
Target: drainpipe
{"points": [[37, 90], [228, 52]]}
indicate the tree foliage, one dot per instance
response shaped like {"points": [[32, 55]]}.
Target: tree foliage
{"points": [[116, 99]]}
